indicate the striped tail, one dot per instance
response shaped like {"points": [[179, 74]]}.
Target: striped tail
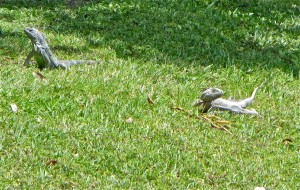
{"points": [[67, 63]]}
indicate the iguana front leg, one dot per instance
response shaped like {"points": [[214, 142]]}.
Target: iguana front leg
{"points": [[29, 56], [47, 56]]}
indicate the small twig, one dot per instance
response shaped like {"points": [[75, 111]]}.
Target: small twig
{"points": [[203, 117], [214, 125]]}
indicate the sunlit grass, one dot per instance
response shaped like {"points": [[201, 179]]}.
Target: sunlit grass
{"points": [[91, 126]]}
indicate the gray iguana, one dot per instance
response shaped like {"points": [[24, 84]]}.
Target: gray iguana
{"points": [[43, 55], [211, 99]]}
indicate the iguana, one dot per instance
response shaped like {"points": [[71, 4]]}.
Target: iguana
{"points": [[211, 99], [43, 55]]}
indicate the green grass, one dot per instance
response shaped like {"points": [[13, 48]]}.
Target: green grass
{"points": [[169, 51]]}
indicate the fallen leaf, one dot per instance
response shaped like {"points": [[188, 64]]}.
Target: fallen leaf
{"points": [[39, 76], [82, 105], [287, 141], [178, 108], [51, 162], [259, 188], [129, 120], [14, 108], [213, 177], [150, 101], [213, 117], [39, 119], [216, 122]]}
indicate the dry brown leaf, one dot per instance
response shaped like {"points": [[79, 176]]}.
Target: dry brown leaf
{"points": [[14, 108], [215, 122], [39, 76], [287, 141], [82, 105], [225, 128], [213, 117], [259, 188], [213, 176], [178, 108], [51, 162], [150, 101], [129, 120]]}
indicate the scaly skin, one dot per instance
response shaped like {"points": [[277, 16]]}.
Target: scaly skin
{"points": [[210, 99], [43, 55]]}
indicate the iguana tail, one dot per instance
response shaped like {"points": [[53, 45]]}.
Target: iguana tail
{"points": [[244, 103], [67, 63]]}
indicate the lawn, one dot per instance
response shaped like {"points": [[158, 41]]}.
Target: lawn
{"points": [[114, 126]]}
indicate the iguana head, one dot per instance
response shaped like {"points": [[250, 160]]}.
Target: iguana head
{"points": [[211, 94], [34, 35]]}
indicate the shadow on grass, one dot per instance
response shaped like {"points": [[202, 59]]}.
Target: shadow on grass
{"points": [[222, 33], [50, 4]]}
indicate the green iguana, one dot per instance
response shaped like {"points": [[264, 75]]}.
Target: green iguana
{"points": [[211, 99], [43, 55]]}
